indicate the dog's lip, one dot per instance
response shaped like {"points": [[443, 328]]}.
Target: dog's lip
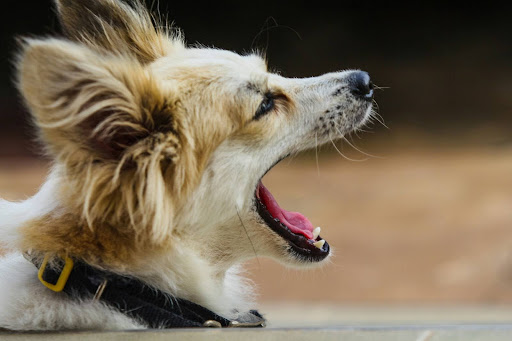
{"points": [[297, 231], [273, 165], [298, 243]]}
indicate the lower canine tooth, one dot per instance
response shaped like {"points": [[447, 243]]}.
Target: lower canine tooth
{"points": [[316, 232], [319, 244]]}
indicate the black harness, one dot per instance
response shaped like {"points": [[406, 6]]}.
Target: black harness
{"points": [[146, 304]]}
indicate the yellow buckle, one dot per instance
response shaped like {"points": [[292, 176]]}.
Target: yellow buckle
{"points": [[64, 274]]}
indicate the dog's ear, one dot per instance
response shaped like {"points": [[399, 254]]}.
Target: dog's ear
{"points": [[113, 127], [114, 26], [99, 104]]}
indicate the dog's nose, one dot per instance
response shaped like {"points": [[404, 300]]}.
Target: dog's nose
{"points": [[360, 85]]}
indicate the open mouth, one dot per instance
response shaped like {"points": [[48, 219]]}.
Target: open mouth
{"points": [[304, 240]]}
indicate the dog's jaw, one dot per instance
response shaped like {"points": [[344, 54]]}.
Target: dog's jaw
{"points": [[230, 219]]}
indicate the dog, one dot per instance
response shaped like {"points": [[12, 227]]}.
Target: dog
{"points": [[155, 188]]}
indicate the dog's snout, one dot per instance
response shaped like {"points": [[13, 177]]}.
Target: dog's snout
{"points": [[360, 85]]}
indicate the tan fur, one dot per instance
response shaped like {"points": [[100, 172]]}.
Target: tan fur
{"points": [[123, 144], [110, 25], [157, 153], [114, 104]]}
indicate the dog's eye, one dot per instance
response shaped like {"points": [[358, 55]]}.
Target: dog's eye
{"points": [[266, 106]]}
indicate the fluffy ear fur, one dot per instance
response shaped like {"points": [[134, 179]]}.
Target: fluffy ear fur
{"points": [[103, 104], [114, 127], [114, 26]]}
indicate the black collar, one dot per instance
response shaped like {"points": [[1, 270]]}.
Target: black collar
{"points": [[151, 306]]}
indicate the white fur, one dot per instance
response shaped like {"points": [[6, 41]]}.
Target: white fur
{"points": [[217, 228], [13, 214]]}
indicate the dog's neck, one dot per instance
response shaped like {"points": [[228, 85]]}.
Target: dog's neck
{"points": [[220, 290], [183, 270], [186, 274]]}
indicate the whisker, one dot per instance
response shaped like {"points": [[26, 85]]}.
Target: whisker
{"points": [[360, 151], [375, 115], [316, 154], [270, 24], [352, 145], [250, 241], [375, 86], [358, 130], [344, 156], [376, 105], [366, 131]]}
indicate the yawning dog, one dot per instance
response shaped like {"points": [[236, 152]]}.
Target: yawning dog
{"points": [[158, 153]]}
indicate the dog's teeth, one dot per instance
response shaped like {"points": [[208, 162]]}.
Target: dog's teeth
{"points": [[316, 232], [319, 244], [277, 220]]}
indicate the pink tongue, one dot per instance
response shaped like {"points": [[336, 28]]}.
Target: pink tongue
{"points": [[295, 221]]}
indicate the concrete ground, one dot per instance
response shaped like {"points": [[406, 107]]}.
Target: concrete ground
{"points": [[428, 333], [296, 315], [326, 322]]}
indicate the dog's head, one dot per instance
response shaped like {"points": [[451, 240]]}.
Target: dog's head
{"points": [[165, 144]]}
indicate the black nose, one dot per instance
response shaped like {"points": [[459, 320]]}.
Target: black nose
{"points": [[360, 85]]}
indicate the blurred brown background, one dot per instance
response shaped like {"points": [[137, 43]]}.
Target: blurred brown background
{"points": [[429, 219]]}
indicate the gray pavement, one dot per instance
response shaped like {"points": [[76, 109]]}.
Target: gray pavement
{"points": [[283, 315], [324, 322], [395, 333]]}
